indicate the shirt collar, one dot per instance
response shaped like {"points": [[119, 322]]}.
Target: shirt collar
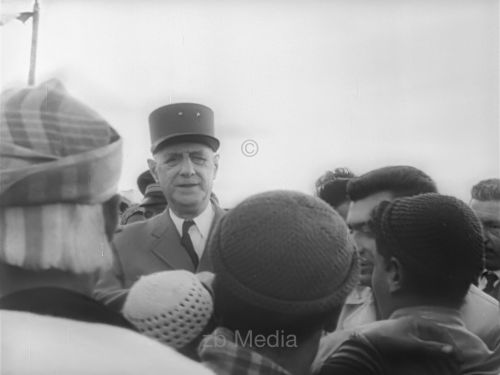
{"points": [[203, 221], [359, 295], [435, 313], [497, 272]]}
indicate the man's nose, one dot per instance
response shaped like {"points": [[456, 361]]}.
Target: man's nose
{"points": [[187, 167], [363, 252], [358, 240], [486, 239]]}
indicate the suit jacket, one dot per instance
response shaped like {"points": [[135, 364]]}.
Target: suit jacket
{"points": [[143, 248]]}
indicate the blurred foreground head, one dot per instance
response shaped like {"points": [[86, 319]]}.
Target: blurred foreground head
{"points": [[283, 261], [60, 163]]}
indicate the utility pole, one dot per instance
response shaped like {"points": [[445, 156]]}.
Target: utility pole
{"points": [[34, 42]]}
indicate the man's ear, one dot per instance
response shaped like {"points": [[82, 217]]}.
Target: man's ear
{"points": [[152, 169], [216, 164], [110, 210], [394, 275]]}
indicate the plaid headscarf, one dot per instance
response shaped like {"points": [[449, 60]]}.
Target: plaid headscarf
{"points": [[221, 353], [59, 160]]}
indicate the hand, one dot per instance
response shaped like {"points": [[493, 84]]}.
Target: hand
{"points": [[207, 279]]}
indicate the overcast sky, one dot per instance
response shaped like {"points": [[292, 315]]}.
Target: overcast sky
{"points": [[316, 84]]}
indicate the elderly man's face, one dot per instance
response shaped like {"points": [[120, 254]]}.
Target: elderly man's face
{"points": [[185, 172], [357, 220], [489, 214]]}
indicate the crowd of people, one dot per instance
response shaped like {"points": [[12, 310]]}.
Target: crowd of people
{"points": [[373, 274]]}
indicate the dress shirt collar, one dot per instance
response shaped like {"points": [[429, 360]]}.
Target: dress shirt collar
{"points": [[203, 221]]}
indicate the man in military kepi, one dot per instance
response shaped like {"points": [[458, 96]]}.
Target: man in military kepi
{"points": [[152, 204], [184, 164]]}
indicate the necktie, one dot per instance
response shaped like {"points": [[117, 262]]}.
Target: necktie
{"points": [[491, 279], [187, 243]]}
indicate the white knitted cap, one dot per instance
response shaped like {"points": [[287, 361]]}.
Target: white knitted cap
{"points": [[171, 306]]}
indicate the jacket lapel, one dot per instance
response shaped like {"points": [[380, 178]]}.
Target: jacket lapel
{"points": [[166, 245], [206, 261]]}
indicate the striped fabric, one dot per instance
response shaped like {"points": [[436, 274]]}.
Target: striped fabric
{"points": [[68, 237], [222, 352], [59, 160], [55, 149]]}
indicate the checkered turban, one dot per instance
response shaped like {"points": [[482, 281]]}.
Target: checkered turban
{"points": [[59, 161]]}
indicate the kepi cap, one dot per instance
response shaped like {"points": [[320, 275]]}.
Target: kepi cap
{"points": [[182, 122], [145, 179], [153, 196]]}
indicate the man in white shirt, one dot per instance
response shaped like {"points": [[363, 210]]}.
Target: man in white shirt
{"points": [[486, 204], [184, 164]]}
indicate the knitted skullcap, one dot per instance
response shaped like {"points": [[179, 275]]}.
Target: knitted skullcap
{"points": [[59, 161], [171, 306], [431, 234], [285, 252]]}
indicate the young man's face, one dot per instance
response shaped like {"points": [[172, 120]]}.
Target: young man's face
{"points": [[343, 209], [357, 219], [489, 214], [381, 286], [185, 172]]}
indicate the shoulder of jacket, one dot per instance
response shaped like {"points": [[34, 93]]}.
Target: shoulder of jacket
{"points": [[142, 226], [129, 231]]}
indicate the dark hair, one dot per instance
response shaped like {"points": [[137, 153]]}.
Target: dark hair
{"points": [[438, 241], [486, 190], [240, 316], [332, 186], [401, 180]]}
